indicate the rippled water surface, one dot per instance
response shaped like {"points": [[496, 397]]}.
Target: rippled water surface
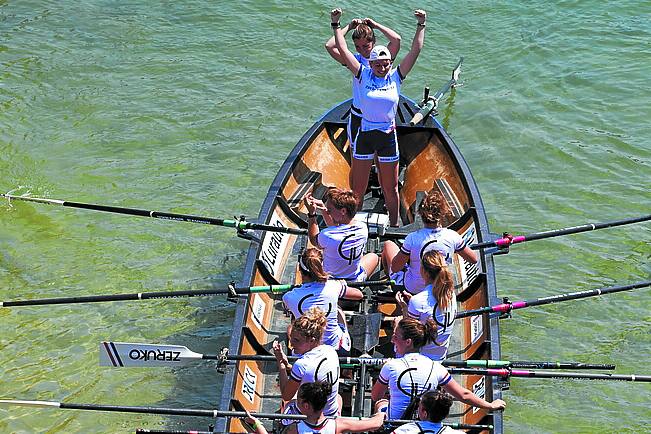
{"points": [[191, 107]]}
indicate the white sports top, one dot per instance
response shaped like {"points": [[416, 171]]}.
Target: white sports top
{"points": [[379, 98], [343, 248], [327, 426], [357, 87], [319, 364], [323, 295], [411, 375], [424, 306], [443, 240]]}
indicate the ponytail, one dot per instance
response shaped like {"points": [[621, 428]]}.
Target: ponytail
{"points": [[310, 262], [439, 274]]}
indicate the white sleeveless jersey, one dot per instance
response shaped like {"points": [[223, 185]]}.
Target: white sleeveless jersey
{"points": [[319, 364], [379, 98], [425, 427], [357, 86], [443, 240], [323, 295], [327, 426], [343, 247], [424, 306], [410, 376]]}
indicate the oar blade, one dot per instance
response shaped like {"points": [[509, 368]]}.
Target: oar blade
{"points": [[128, 355]]}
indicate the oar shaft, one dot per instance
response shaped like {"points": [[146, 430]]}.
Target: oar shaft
{"points": [[507, 307], [552, 374], [149, 410], [504, 242], [160, 215]]}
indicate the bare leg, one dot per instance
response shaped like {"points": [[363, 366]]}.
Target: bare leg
{"points": [[369, 262], [389, 251], [389, 182], [359, 174]]}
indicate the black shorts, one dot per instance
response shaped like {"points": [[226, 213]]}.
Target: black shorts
{"points": [[385, 145], [354, 125]]}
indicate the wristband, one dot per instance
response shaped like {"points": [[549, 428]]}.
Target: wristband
{"points": [[335, 25], [256, 424], [420, 25]]}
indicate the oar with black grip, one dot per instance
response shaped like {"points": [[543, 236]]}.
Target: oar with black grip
{"points": [[163, 410], [505, 372], [508, 307], [507, 239], [240, 224], [230, 291], [125, 355]]}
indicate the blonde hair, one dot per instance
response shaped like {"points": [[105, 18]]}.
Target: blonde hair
{"points": [[311, 264], [436, 269], [433, 208], [311, 324]]}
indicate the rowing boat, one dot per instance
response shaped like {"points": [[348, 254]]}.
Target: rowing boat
{"points": [[321, 160]]}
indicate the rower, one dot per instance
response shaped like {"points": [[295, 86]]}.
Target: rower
{"points": [[344, 240], [437, 302], [319, 291], [407, 378], [319, 362], [403, 263], [433, 408]]}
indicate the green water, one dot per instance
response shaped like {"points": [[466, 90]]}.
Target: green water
{"points": [[192, 106]]}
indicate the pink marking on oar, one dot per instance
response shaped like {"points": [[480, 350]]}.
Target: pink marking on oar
{"points": [[520, 373], [507, 307], [499, 372], [509, 239]]}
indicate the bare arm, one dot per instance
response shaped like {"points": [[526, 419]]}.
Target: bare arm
{"points": [[353, 294], [373, 423], [330, 45], [393, 37], [312, 205], [378, 391], [466, 396], [468, 254], [347, 58], [416, 45]]}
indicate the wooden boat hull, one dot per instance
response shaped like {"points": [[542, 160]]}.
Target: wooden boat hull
{"points": [[321, 159]]}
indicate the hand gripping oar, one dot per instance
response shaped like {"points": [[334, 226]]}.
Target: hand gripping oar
{"points": [[507, 239], [552, 374], [171, 411], [232, 291], [430, 103], [125, 355], [509, 306], [239, 224]]}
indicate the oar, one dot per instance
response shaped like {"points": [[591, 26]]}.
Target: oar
{"points": [[430, 104], [231, 291], [125, 355], [508, 239], [240, 224], [168, 411], [507, 307], [552, 374]]}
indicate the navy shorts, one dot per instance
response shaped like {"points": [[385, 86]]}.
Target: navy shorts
{"points": [[385, 145], [354, 125]]}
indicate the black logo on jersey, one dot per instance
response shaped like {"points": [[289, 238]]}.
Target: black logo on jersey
{"points": [[329, 376], [353, 252], [448, 320], [300, 305], [425, 250]]}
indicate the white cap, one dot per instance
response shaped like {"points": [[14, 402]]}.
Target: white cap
{"points": [[379, 52]]}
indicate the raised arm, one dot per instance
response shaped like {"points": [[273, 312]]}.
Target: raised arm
{"points": [[347, 58], [393, 37], [416, 45], [330, 45]]}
